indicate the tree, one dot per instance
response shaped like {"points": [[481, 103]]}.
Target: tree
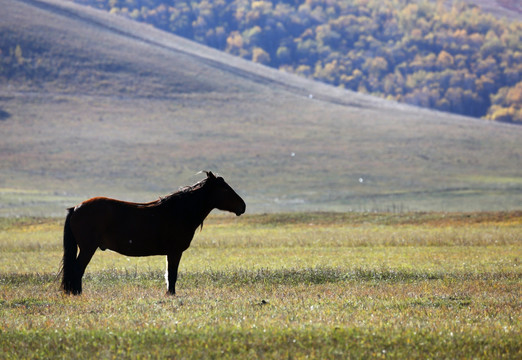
{"points": [[235, 44], [377, 66], [507, 105], [260, 56], [19, 56], [453, 59], [444, 60], [283, 54]]}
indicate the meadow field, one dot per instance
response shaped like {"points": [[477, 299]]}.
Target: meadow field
{"points": [[302, 285]]}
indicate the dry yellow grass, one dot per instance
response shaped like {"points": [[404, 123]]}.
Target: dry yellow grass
{"points": [[277, 286]]}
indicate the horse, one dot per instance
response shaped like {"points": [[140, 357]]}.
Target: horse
{"points": [[162, 227]]}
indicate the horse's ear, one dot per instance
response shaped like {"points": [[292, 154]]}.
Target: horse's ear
{"points": [[210, 175]]}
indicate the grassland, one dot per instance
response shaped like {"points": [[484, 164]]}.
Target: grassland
{"points": [[302, 285]]}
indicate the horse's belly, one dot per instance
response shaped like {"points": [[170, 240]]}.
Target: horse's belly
{"points": [[133, 248], [139, 252], [131, 245]]}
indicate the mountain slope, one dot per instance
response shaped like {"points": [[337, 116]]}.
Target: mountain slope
{"points": [[456, 59], [121, 109], [505, 9]]}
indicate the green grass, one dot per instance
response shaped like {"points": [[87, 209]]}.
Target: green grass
{"points": [[305, 285]]}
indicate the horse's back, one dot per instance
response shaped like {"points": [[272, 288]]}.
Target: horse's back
{"points": [[94, 209], [107, 206], [114, 224]]}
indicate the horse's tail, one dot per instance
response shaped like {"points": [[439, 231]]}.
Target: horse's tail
{"points": [[70, 249]]}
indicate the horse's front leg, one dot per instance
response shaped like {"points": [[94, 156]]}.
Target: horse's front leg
{"points": [[172, 271]]}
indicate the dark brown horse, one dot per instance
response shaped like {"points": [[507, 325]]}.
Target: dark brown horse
{"points": [[162, 227]]}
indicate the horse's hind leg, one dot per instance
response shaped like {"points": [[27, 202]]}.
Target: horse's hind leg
{"points": [[84, 257]]}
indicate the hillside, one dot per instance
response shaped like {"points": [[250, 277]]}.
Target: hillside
{"points": [[121, 109], [503, 9], [454, 57]]}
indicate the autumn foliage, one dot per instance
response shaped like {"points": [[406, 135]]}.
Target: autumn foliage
{"points": [[456, 59]]}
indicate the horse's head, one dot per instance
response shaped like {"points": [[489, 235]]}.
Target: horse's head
{"points": [[224, 196]]}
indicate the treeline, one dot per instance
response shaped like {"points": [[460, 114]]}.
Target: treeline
{"points": [[25, 61], [454, 59]]}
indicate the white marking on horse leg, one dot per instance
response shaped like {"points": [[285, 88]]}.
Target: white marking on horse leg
{"points": [[167, 273]]}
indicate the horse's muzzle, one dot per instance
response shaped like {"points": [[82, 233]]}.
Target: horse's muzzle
{"points": [[241, 211]]}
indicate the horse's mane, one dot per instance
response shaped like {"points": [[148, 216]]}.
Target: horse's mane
{"points": [[182, 192]]}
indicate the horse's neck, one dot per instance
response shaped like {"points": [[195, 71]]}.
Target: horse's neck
{"points": [[199, 208]]}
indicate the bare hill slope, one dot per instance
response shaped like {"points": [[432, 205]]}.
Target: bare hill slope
{"points": [[120, 109]]}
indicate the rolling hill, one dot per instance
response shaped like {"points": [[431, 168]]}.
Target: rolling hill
{"points": [[505, 9], [117, 108]]}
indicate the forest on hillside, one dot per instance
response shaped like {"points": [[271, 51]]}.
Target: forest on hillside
{"points": [[455, 59]]}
